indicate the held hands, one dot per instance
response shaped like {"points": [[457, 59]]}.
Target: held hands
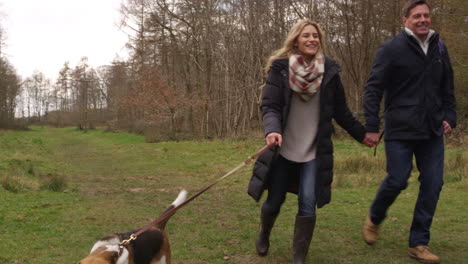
{"points": [[274, 138], [447, 127], [371, 139]]}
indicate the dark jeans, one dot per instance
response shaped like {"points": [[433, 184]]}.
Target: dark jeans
{"points": [[283, 170], [429, 156]]}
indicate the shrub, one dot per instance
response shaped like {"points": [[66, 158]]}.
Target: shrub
{"points": [[53, 182], [18, 184]]}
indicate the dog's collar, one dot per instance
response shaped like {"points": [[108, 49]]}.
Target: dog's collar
{"points": [[125, 242], [121, 250], [122, 255]]}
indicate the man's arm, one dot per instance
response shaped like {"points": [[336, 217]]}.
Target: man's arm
{"points": [[448, 95], [374, 90]]}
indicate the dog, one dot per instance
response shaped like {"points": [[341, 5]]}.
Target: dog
{"points": [[151, 247]]}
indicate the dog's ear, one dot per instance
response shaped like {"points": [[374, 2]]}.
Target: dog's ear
{"points": [[102, 255]]}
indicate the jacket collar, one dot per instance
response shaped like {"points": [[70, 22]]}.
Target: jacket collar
{"points": [[411, 33], [423, 44], [415, 43]]}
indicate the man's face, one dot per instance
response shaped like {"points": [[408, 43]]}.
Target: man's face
{"points": [[418, 21]]}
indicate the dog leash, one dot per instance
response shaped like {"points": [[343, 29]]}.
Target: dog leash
{"points": [[380, 138], [172, 211]]}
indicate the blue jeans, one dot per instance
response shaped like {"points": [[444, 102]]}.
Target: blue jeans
{"points": [[282, 172], [429, 156]]}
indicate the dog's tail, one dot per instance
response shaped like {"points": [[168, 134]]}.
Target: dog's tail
{"points": [[178, 201]]}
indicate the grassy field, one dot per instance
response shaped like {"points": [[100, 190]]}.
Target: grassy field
{"points": [[114, 182]]}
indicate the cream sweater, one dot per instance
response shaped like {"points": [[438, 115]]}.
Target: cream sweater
{"points": [[299, 136]]}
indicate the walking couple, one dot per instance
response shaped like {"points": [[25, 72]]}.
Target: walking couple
{"points": [[304, 92]]}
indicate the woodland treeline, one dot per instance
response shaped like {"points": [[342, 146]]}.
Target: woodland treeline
{"points": [[10, 85], [196, 66]]}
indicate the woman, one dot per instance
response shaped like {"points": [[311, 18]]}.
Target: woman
{"points": [[303, 92]]}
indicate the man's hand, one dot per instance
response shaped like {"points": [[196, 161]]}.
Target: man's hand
{"points": [[371, 139], [274, 138], [447, 127]]}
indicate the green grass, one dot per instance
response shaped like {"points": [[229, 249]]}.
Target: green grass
{"points": [[117, 182]]}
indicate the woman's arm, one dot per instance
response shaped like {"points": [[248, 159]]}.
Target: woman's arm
{"points": [[272, 103], [343, 115]]}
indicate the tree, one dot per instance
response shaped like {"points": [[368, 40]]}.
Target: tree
{"points": [[116, 81], [37, 91], [10, 85], [217, 49], [152, 98]]}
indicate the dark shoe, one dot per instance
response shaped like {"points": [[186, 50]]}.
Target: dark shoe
{"points": [[262, 243], [423, 254], [370, 231], [303, 231]]}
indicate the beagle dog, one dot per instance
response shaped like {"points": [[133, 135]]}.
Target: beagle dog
{"points": [[151, 247]]}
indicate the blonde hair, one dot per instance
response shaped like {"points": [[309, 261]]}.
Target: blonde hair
{"points": [[288, 45]]}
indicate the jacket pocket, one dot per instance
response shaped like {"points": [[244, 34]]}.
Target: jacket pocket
{"points": [[404, 114]]}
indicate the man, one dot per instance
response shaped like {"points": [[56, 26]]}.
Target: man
{"points": [[413, 72]]}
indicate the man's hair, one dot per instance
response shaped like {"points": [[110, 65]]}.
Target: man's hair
{"points": [[412, 4]]}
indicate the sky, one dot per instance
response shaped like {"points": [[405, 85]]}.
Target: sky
{"points": [[42, 34]]}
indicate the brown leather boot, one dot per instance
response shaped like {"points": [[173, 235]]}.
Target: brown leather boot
{"points": [[262, 243], [423, 254], [303, 231], [370, 231]]}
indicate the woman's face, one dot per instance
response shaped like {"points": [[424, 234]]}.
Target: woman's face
{"points": [[308, 42]]}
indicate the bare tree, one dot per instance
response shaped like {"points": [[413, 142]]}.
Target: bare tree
{"points": [[211, 53], [9, 90], [37, 89]]}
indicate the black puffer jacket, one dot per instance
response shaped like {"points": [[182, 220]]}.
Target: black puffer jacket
{"points": [[275, 108]]}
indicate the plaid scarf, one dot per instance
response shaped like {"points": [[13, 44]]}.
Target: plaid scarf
{"points": [[305, 79]]}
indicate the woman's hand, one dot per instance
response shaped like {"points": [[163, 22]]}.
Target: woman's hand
{"points": [[447, 127], [371, 139], [274, 139]]}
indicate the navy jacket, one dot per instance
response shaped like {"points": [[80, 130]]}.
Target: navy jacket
{"points": [[275, 105], [418, 89]]}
